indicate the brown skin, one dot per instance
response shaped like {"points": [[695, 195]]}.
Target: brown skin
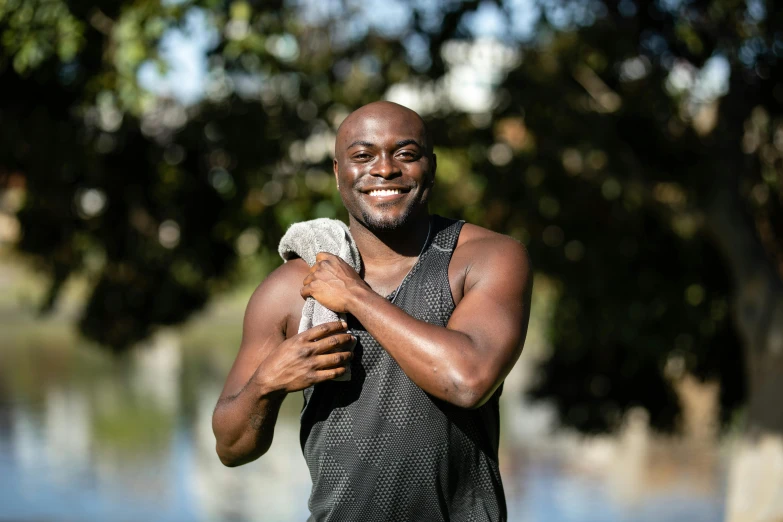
{"points": [[381, 145]]}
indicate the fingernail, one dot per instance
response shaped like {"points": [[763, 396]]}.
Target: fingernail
{"points": [[345, 325]]}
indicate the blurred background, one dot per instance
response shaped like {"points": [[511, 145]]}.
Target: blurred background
{"points": [[153, 153]]}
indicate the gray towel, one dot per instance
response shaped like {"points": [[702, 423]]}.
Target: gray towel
{"points": [[306, 240]]}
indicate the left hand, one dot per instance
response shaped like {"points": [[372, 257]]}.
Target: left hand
{"points": [[332, 282]]}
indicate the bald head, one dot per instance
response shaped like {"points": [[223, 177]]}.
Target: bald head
{"points": [[384, 146], [384, 113]]}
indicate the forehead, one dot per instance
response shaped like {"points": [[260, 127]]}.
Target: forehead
{"points": [[381, 126]]}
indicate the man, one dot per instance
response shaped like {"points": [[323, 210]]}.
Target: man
{"points": [[439, 313]]}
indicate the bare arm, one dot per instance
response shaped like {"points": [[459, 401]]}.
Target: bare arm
{"points": [[465, 362], [269, 366]]}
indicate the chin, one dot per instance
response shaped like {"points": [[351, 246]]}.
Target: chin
{"points": [[390, 218], [385, 221]]}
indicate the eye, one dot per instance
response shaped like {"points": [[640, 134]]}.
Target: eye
{"points": [[361, 156], [408, 154]]}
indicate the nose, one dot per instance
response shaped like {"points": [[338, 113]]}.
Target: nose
{"points": [[385, 167]]}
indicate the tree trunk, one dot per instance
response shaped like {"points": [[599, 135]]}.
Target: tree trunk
{"points": [[755, 486]]}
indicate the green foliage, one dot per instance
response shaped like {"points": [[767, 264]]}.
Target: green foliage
{"points": [[615, 197], [33, 31]]}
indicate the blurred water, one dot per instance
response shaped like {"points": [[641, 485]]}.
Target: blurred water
{"points": [[85, 437]]}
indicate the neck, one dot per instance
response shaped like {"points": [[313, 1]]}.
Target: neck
{"points": [[390, 245]]}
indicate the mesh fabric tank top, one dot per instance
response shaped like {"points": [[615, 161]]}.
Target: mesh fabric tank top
{"points": [[379, 448]]}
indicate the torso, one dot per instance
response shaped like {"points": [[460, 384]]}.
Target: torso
{"points": [[380, 448]]}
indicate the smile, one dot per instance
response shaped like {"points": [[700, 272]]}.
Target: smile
{"points": [[384, 192]]}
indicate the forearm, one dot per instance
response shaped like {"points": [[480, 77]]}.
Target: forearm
{"points": [[445, 363], [244, 424]]}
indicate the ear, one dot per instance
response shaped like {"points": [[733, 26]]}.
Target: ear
{"points": [[434, 169], [334, 169]]}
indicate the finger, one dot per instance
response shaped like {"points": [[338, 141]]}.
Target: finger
{"points": [[326, 375], [308, 279], [321, 256], [332, 360], [332, 343], [323, 330]]}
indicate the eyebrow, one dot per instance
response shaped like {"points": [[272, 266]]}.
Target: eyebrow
{"points": [[360, 142], [409, 141], [401, 143]]}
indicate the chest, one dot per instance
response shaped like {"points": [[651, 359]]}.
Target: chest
{"points": [[384, 280]]}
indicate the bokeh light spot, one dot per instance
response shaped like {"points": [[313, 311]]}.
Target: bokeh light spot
{"points": [[169, 233], [694, 294]]}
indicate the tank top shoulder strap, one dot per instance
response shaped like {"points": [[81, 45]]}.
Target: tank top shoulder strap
{"points": [[426, 292], [445, 233]]}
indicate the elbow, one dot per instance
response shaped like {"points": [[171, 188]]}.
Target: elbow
{"points": [[471, 400], [240, 453], [227, 457], [473, 392], [232, 459], [234, 452], [227, 460]]}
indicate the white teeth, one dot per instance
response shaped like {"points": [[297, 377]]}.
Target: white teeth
{"points": [[384, 192]]}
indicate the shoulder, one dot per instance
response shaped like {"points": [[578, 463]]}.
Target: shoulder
{"points": [[277, 298], [283, 280], [293, 271], [478, 243], [484, 254]]}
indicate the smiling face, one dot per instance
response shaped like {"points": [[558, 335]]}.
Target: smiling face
{"points": [[384, 165]]}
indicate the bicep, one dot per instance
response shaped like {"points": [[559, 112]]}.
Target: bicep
{"points": [[263, 328], [495, 309]]}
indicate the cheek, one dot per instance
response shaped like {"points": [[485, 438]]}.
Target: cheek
{"points": [[421, 174], [351, 172]]}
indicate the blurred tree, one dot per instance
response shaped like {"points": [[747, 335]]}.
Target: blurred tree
{"points": [[653, 193]]}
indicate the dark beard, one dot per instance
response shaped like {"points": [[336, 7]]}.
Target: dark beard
{"points": [[401, 221]]}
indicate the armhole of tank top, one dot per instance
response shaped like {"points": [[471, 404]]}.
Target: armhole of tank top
{"points": [[460, 223]]}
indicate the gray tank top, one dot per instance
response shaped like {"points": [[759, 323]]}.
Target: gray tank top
{"points": [[379, 448]]}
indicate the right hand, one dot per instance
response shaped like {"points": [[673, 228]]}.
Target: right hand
{"points": [[315, 355]]}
